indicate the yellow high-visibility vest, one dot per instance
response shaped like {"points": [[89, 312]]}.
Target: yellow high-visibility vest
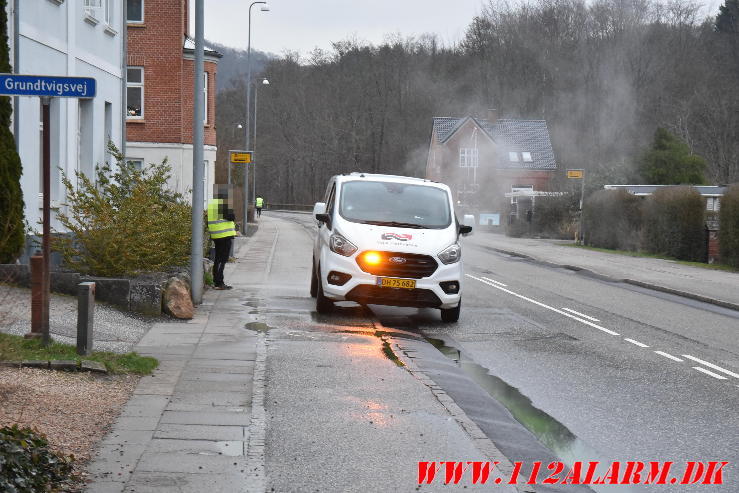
{"points": [[218, 226], [260, 202]]}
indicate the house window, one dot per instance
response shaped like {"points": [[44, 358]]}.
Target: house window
{"points": [[135, 93], [108, 6], [520, 188], [526, 156], [135, 11], [468, 157], [513, 157], [713, 204], [137, 163], [205, 98]]}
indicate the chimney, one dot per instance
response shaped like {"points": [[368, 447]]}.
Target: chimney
{"points": [[492, 115]]}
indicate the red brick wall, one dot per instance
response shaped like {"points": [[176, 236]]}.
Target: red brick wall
{"points": [[168, 76]]}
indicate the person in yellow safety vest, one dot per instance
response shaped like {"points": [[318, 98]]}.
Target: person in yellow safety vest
{"points": [[259, 203], [222, 230]]}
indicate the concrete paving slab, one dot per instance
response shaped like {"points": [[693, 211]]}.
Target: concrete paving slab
{"points": [[183, 462], [152, 482], [233, 399], [206, 418], [201, 432], [115, 462], [137, 423], [231, 448], [127, 437]]}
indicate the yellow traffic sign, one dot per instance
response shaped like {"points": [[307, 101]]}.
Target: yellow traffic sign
{"points": [[240, 157], [575, 173]]}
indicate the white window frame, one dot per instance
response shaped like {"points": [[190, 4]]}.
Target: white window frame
{"points": [[469, 157], [526, 157], [137, 21], [108, 5], [514, 157], [134, 161], [130, 84], [205, 98]]}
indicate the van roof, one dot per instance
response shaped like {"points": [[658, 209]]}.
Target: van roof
{"points": [[378, 176]]}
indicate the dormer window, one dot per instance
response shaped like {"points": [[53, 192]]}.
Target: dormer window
{"points": [[526, 156], [513, 157]]}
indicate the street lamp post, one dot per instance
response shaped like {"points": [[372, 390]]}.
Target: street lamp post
{"points": [[248, 106], [238, 126], [265, 82]]}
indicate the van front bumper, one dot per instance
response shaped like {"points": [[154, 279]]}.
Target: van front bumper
{"points": [[362, 287]]}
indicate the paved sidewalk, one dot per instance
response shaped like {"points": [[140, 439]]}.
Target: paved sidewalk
{"points": [[712, 286], [187, 427]]}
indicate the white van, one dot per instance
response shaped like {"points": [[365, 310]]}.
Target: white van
{"points": [[388, 240]]}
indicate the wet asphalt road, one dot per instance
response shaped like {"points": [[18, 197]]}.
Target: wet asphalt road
{"points": [[591, 366]]}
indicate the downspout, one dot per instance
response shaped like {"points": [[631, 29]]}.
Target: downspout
{"points": [[124, 74]]}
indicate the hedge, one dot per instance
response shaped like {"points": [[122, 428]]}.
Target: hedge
{"points": [[674, 224], [613, 219], [728, 235]]}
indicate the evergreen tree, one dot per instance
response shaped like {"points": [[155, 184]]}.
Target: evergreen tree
{"points": [[670, 162], [12, 234], [727, 20]]}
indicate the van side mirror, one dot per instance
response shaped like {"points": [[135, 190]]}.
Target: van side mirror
{"points": [[467, 222], [322, 218], [318, 209]]}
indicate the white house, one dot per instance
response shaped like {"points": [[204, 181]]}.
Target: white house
{"points": [[66, 38]]}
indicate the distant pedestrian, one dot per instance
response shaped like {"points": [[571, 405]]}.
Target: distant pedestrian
{"points": [[528, 215], [259, 203], [222, 230]]}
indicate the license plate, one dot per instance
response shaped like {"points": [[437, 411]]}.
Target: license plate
{"points": [[391, 282]]}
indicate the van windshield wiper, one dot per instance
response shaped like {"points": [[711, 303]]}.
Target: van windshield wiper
{"points": [[395, 224]]}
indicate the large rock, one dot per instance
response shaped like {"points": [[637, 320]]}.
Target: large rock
{"points": [[177, 300]]}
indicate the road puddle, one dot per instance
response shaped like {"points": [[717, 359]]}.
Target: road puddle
{"points": [[257, 326], [550, 432]]}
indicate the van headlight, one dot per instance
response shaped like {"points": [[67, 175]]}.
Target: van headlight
{"points": [[341, 245], [451, 254]]}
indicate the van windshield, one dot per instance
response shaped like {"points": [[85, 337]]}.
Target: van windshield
{"points": [[395, 204]]}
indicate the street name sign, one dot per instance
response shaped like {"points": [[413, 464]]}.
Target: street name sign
{"points": [[49, 86], [240, 157], [575, 173]]}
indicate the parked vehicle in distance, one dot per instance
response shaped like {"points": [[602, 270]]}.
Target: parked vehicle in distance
{"points": [[388, 240]]}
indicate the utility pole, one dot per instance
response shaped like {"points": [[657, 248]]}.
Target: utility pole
{"points": [[198, 194]]}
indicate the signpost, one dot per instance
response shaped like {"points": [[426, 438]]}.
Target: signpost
{"points": [[579, 174], [46, 87], [244, 158]]}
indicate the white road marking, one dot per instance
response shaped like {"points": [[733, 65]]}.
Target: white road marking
{"points": [[711, 365], [496, 282], [632, 341], [586, 322], [667, 355], [707, 372], [581, 314]]}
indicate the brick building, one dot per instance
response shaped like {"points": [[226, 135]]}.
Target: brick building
{"points": [[483, 159], [159, 91]]}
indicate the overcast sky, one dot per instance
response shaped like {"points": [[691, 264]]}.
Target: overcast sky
{"points": [[301, 25]]}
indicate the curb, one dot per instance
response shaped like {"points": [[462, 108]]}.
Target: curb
{"points": [[633, 282]]}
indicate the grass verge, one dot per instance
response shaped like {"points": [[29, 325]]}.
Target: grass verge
{"points": [[17, 348], [629, 253]]}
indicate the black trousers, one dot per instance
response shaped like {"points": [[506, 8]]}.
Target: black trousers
{"points": [[259, 212], [223, 250]]}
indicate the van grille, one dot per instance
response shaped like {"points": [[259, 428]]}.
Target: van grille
{"points": [[408, 265], [375, 295]]}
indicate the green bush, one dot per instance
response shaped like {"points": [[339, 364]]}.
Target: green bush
{"points": [[555, 217], [12, 232], [27, 465], [728, 235], [674, 220], [126, 223], [613, 219]]}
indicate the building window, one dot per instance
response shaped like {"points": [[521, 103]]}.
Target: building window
{"points": [[137, 163], [526, 156], [135, 93], [523, 189], [713, 204], [135, 11], [108, 6], [468, 157], [513, 157], [205, 98]]}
